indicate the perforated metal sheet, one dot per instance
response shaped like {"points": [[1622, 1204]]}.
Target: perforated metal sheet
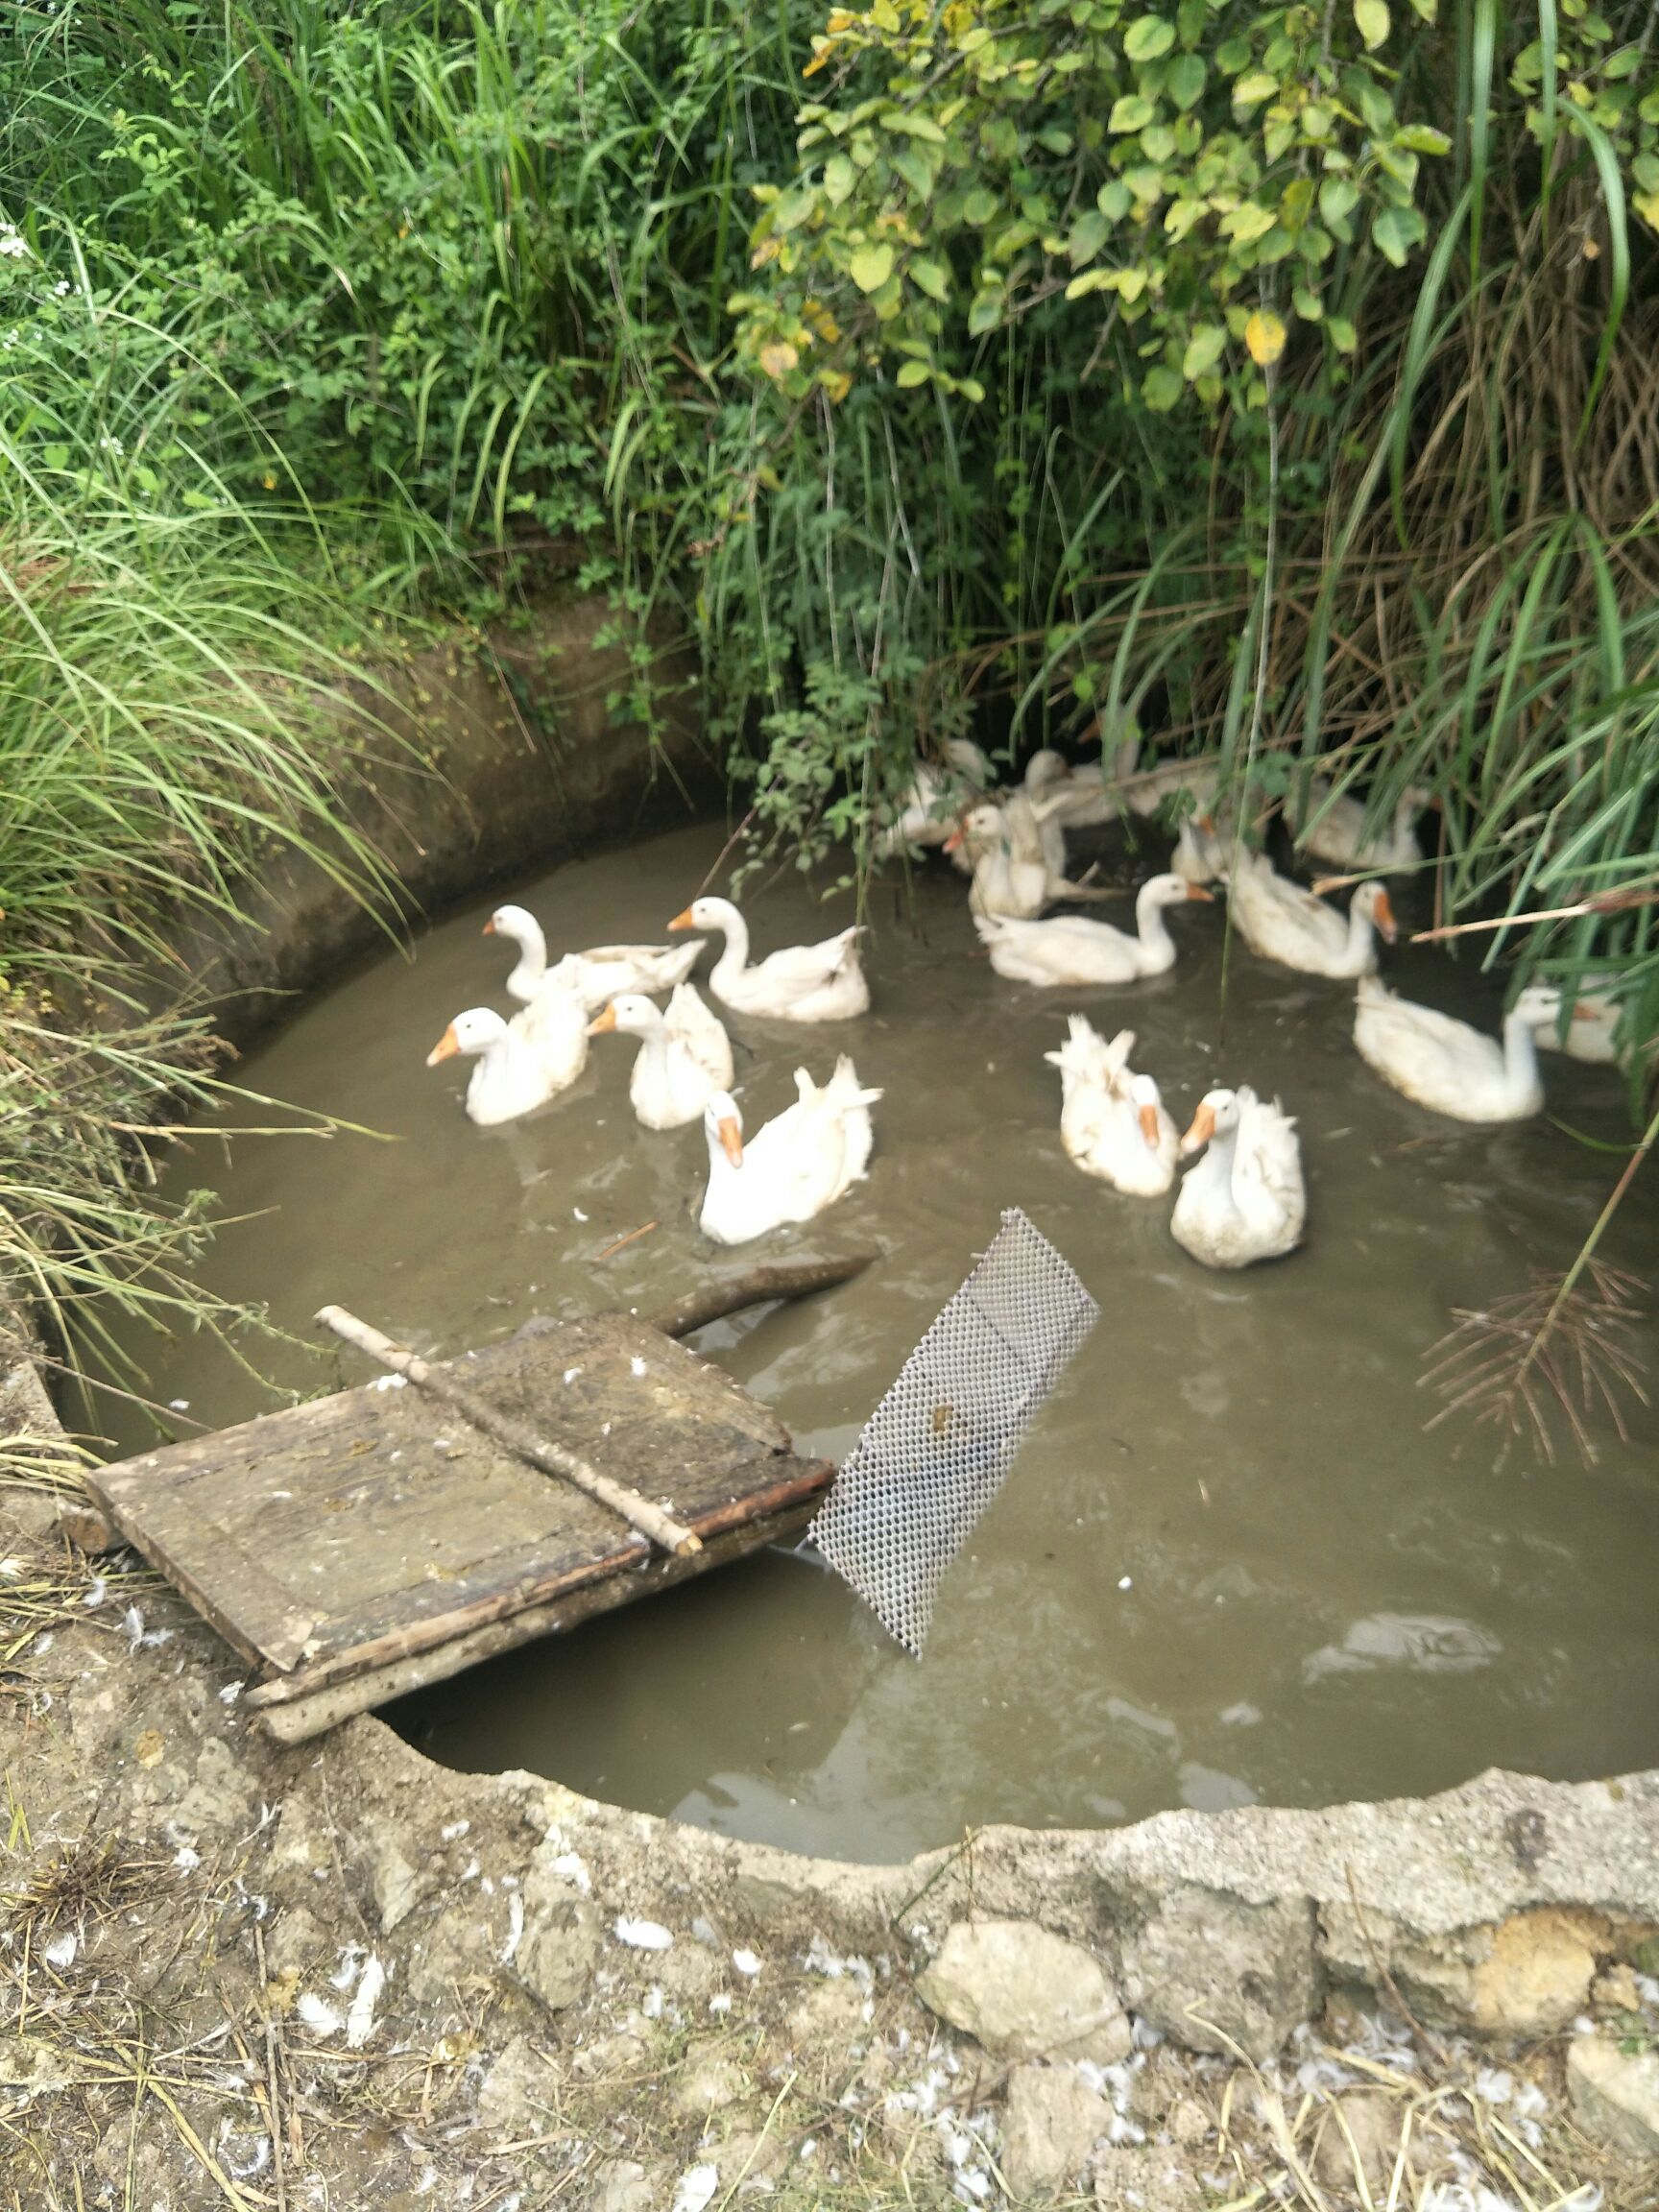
{"points": [[937, 1448]]}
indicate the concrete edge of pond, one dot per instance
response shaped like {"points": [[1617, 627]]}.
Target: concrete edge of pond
{"points": [[1489, 1908]]}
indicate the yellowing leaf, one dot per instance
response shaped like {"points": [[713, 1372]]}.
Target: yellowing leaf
{"points": [[1371, 16], [1254, 88], [1646, 205], [1264, 336], [1249, 222], [147, 1747], [839, 178], [870, 267], [836, 383], [778, 358]]}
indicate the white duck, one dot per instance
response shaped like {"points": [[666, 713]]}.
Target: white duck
{"points": [[1338, 829], [802, 983], [514, 1075], [1283, 922], [684, 1061], [1449, 1067], [1246, 1199], [598, 973], [799, 1164], [1012, 852], [927, 811], [1112, 1121], [1070, 949], [1591, 1032], [1200, 854]]}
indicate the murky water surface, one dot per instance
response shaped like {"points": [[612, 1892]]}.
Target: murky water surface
{"points": [[1230, 1564]]}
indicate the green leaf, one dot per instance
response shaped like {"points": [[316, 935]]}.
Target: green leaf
{"points": [[1185, 82], [1088, 233], [1250, 90], [1203, 349], [913, 126], [1132, 112], [839, 178], [914, 166], [1371, 17], [1428, 10], [1161, 389], [1232, 55], [929, 276], [1146, 39], [1308, 304], [1156, 141], [1189, 20], [1337, 200], [1396, 230], [1055, 141], [793, 207], [870, 267], [1423, 138], [911, 374], [1344, 335], [986, 312], [1114, 199], [1316, 120], [980, 207]]}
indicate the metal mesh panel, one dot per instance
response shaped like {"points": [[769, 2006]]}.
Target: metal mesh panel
{"points": [[937, 1448]]}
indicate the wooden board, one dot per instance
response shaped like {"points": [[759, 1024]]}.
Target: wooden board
{"points": [[340, 1537]]}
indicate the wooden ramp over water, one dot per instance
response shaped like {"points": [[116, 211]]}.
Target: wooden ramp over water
{"points": [[362, 1544]]}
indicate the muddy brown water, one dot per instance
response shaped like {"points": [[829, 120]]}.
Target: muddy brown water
{"points": [[1230, 1564]]}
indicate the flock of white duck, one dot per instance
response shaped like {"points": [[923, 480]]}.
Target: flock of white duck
{"points": [[1242, 1200]]}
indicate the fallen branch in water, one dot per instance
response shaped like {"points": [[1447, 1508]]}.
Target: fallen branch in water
{"points": [[760, 1287]]}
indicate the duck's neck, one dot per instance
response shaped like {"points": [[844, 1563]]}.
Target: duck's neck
{"points": [[1150, 926], [735, 958], [1358, 938], [532, 965], [653, 1039], [1520, 1056], [1217, 1165]]}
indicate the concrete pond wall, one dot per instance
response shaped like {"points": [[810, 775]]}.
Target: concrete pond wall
{"points": [[1490, 1911]]}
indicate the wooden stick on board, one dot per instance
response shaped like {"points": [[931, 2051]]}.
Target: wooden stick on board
{"points": [[552, 1459], [759, 1286]]}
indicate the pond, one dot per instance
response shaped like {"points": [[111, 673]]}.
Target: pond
{"points": [[1231, 1563]]}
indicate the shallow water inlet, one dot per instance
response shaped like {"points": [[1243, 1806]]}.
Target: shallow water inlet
{"points": [[1229, 1563]]}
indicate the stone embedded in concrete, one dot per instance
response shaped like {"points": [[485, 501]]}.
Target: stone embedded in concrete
{"points": [[1614, 2096], [1528, 1975], [1024, 1993], [1050, 2124], [1212, 1970], [1536, 1976]]}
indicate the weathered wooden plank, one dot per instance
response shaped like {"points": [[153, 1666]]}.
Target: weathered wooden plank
{"points": [[313, 1705], [376, 1520]]}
